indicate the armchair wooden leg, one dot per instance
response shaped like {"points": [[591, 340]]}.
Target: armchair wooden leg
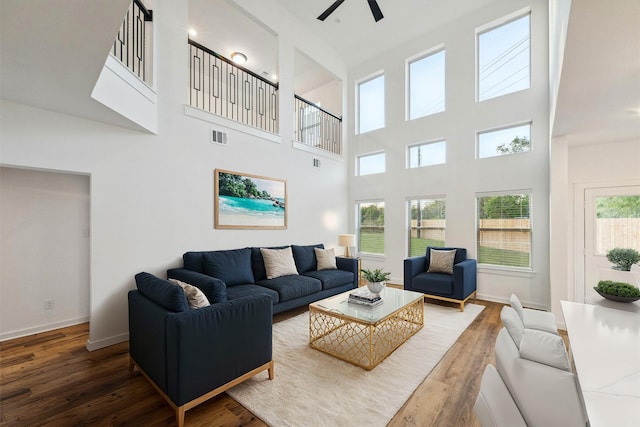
{"points": [[272, 370], [462, 306]]}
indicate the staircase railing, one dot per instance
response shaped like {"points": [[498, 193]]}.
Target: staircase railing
{"points": [[132, 46], [221, 87]]}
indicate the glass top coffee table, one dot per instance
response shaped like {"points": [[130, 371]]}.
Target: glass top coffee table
{"points": [[363, 335]]}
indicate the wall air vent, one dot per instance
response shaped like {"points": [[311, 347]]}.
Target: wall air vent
{"points": [[218, 137], [316, 163]]}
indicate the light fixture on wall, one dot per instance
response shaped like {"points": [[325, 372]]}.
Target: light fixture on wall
{"points": [[348, 241], [239, 58]]}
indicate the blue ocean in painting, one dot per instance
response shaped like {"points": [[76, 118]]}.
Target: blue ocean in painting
{"points": [[254, 207]]}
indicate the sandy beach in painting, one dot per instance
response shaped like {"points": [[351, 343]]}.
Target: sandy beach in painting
{"points": [[235, 211]]}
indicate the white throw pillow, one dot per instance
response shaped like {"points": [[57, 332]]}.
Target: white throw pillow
{"points": [[279, 262], [543, 347], [513, 324], [195, 297], [441, 261], [326, 259]]}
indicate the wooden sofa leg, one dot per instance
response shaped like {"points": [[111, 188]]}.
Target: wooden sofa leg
{"points": [[180, 416], [462, 306]]}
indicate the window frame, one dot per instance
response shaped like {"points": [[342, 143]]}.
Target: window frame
{"points": [[375, 153], [358, 205], [358, 84], [497, 23], [501, 128], [481, 265], [420, 144], [415, 58]]}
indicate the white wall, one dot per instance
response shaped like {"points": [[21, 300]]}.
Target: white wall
{"points": [[152, 195], [575, 167], [44, 250], [463, 175]]}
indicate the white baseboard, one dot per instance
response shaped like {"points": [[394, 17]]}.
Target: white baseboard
{"points": [[106, 342], [42, 328], [502, 300]]}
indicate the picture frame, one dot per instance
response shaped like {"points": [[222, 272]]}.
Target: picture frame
{"points": [[246, 201]]}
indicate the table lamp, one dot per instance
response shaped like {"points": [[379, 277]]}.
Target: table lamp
{"points": [[348, 241]]}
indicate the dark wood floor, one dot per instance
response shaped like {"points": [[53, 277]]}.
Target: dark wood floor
{"points": [[50, 379]]}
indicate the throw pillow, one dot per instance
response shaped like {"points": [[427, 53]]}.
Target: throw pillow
{"points": [[513, 324], [305, 257], [326, 259], [543, 347], [233, 267], [278, 262], [441, 261], [195, 297]]}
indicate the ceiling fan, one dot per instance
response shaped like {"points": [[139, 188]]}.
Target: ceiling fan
{"points": [[373, 4]]}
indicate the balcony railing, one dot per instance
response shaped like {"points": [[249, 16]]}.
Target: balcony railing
{"points": [[316, 127], [132, 46], [223, 88], [220, 87]]}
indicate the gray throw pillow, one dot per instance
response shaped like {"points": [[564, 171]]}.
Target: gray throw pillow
{"points": [[441, 261]]}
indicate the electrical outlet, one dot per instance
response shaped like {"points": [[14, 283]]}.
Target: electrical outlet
{"points": [[48, 304]]}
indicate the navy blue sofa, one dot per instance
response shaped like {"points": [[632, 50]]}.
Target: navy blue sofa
{"points": [[457, 287], [190, 356], [235, 273]]}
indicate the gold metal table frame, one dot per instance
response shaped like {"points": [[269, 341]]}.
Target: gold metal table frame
{"points": [[365, 336]]}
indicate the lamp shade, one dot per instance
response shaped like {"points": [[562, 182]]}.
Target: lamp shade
{"points": [[346, 239]]}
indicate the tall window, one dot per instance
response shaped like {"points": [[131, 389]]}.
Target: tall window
{"points": [[427, 224], [369, 164], [504, 229], [427, 154], [504, 141], [426, 85], [371, 104], [371, 227], [504, 59]]}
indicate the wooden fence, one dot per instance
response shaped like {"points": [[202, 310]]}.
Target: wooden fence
{"points": [[617, 233]]}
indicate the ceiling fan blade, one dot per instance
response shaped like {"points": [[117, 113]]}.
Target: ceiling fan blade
{"points": [[375, 9], [324, 15]]}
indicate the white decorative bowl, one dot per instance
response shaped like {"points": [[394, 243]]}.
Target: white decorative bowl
{"points": [[375, 287]]}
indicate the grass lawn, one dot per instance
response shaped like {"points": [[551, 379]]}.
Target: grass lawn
{"points": [[419, 246], [503, 257], [372, 243]]}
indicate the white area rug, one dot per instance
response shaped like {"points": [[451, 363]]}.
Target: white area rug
{"points": [[312, 388]]}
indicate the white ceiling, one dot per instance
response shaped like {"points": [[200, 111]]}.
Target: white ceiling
{"points": [[354, 34]]}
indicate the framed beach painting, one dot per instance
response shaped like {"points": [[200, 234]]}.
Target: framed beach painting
{"points": [[245, 201]]}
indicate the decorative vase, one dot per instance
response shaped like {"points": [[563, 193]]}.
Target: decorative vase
{"points": [[375, 287]]}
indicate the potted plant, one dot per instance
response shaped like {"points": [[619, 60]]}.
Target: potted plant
{"points": [[375, 279], [623, 258], [617, 291]]}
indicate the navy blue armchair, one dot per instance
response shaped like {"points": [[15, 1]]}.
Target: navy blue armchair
{"points": [[189, 355], [457, 287]]}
